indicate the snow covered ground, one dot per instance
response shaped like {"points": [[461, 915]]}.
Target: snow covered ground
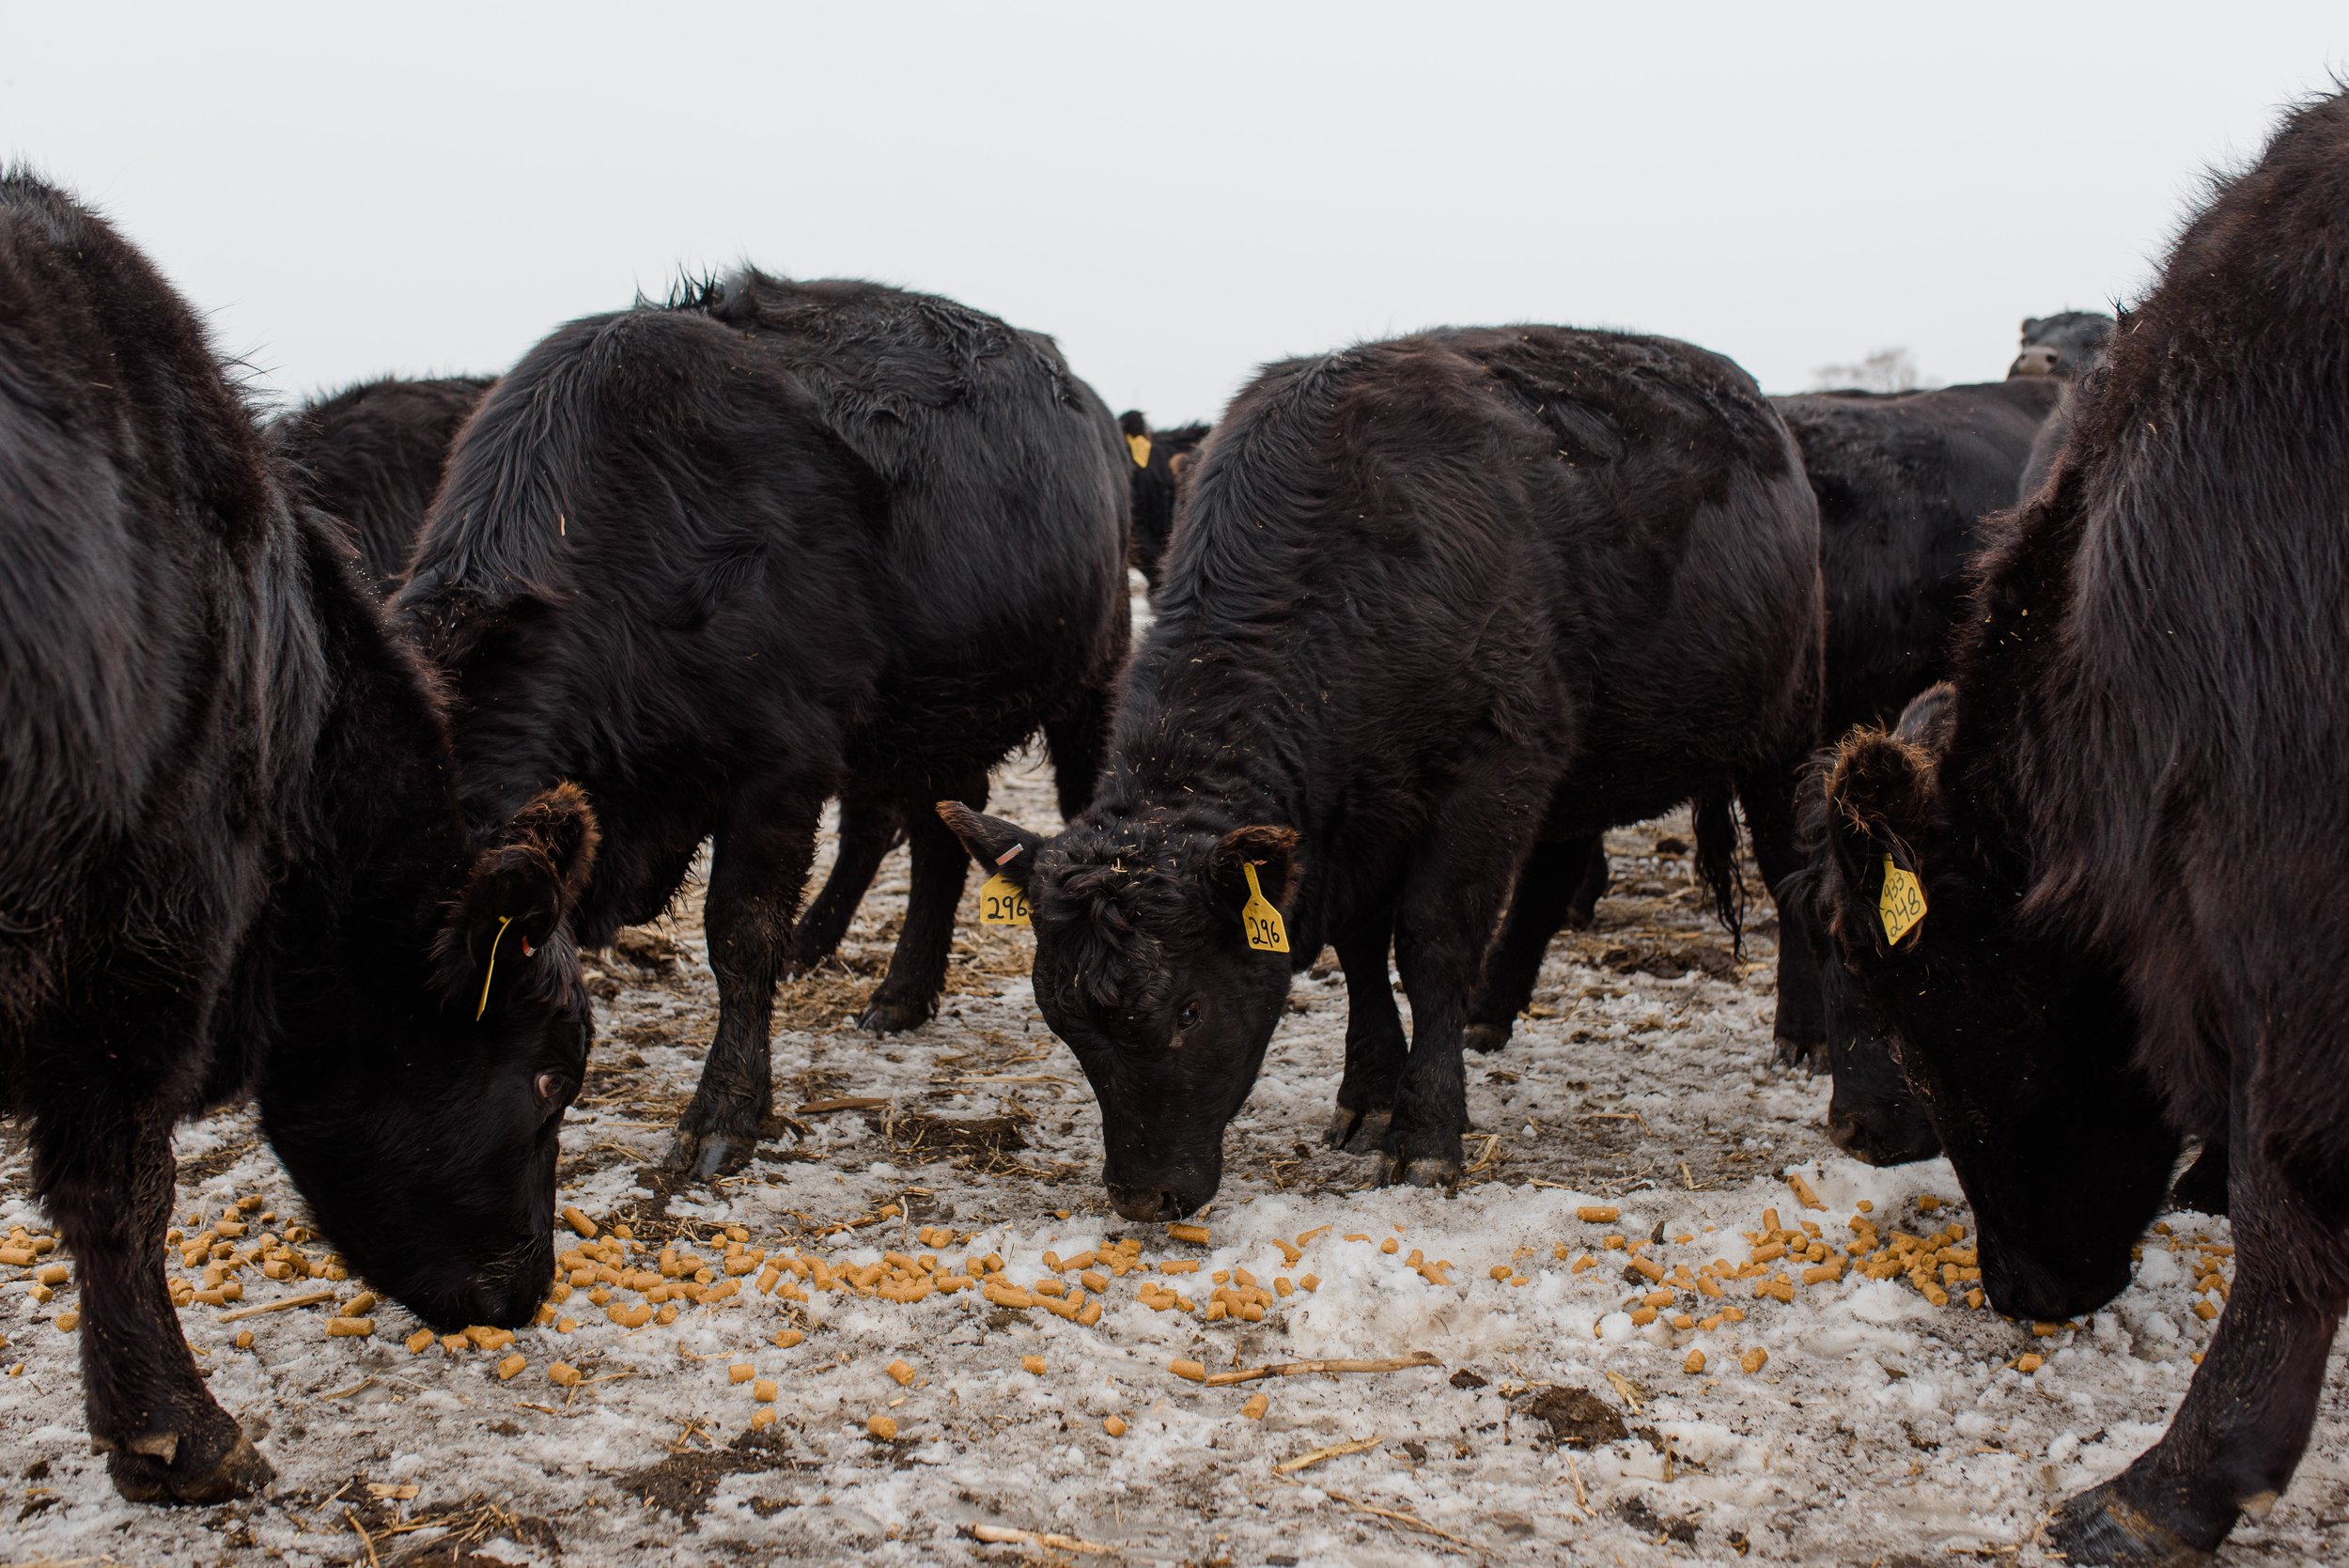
{"points": [[1880, 1428]]}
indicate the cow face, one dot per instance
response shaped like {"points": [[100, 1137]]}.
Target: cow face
{"points": [[426, 1136], [1872, 1113], [1143, 967], [2018, 1045]]}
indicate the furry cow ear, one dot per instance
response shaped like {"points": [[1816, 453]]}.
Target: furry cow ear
{"points": [[520, 885], [1000, 847], [1272, 850], [2031, 325], [1881, 799]]}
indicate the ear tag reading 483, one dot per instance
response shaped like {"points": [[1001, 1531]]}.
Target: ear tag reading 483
{"points": [[1260, 920], [1901, 904], [1001, 902]]}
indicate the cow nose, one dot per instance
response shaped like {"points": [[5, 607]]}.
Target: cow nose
{"points": [[1147, 1204], [2034, 360], [1844, 1131]]}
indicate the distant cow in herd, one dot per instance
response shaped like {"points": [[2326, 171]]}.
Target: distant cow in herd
{"points": [[773, 543], [371, 457], [2101, 906], [231, 859], [1159, 458], [1430, 602]]}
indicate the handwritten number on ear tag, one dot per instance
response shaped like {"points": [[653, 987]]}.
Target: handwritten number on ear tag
{"points": [[504, 920], [1259, 919], [1002, 903], [1901, 904]]}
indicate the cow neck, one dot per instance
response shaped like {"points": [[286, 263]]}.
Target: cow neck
{"points": [[1206, 730]]}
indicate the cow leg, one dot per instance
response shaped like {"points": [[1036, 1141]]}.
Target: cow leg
{"points": [[2244, 1422], [105, 1173], [868, 830], [764, 848], [1768, 798], [1554, 875], [1451, 897], [907, 995], [1375, 1045], [1078, 743], [2203, 1187]]}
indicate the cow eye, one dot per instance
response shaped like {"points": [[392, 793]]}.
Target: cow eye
{"points": [[552, 1087], [1188, 1018]]}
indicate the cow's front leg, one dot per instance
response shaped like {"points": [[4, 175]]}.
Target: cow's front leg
{"points": [[1375, 1045]]}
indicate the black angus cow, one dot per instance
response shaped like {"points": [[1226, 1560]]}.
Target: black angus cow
{"points": [[2065, 346], [231, 859], [1431, 601], [1159, 458], [2129, 847], [1903, 481], [371, 457], [775, 542]]}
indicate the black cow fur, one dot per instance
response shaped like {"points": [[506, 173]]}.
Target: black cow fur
{"points": [[772, 543], [2130, 845], [232, 860], [371, 457], [1429, 603]]}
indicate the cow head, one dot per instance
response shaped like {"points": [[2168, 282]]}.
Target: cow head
{"points": [[422, 1125], [2017, 1043], [1143, 967]]}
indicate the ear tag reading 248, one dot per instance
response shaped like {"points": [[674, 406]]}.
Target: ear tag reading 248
{"points": [[1260, 920], [1901, 904], [1001, 903]]}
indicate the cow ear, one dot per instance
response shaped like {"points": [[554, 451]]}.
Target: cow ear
{"points": [[1000, 847], [1882, 801], [520, 885], [2031, 325], [1272, 850]]}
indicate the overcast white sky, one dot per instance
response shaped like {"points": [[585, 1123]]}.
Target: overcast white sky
{"points": [[1177, 192]]}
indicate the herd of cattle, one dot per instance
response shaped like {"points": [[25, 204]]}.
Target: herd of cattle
{"points": [[330, 741]]}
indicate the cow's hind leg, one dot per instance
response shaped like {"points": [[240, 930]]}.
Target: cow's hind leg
{"points": [[1375, 1045], [104, 1169], [764, 848], [907, 995], [1556, 879], [2237, 1438], [1078, 743], [868, 830]]}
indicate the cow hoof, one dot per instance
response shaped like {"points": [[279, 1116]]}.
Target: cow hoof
{"points": [[2101, 1528], [1431, 1173], [1806, 1054], [1358, 1131], [1486, 1037], [882, 1017], [706, 1155], [190, 1471]]}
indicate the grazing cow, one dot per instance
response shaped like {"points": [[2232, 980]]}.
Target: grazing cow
{"points": [[775, 542], [231, 859], [370, 457], [1159, 458], [1901, 481], [1432, 601], [2127, 848]]}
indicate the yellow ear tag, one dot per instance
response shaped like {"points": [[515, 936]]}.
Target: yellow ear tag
{"points": [[504, 920], [1259, 919], [1901, 904], [1140, 447], [1002, 903]]}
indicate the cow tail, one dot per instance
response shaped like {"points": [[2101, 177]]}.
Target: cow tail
{"points": [[1716, 860]]}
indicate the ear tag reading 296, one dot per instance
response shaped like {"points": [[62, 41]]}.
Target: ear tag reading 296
{"points": [[1001, 903], [1260, 920], [1140, 447], [1901, 904]]}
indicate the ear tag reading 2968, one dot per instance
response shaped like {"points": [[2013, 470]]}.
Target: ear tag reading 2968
{"points": [[1901, 904], [1001, 902], [1260, 920]]}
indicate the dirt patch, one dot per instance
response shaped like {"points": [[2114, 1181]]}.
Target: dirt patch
{"points": [[203, 1168], [683, 1483], [920, 1136], [1670, 960], [1636, 1513], [1576, 1417]]}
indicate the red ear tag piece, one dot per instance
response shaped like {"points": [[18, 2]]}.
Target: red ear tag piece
{"points": [[528, 951], [1009, 855]]}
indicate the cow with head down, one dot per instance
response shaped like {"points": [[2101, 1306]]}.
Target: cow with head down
{"points": [[2100, 904], [1432, 603], [233, 861]]}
